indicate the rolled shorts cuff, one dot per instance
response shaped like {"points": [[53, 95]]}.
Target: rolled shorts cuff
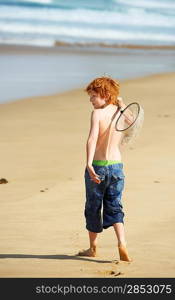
{"points": [[109, 225], [94, 229]]}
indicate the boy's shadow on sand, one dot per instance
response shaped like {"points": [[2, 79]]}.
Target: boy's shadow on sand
{"points": [[57, 256]]}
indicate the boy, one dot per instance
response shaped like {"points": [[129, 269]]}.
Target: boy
{"points": [[104, 176]]}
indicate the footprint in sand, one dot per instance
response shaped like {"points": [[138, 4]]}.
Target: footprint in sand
{"points": [[119, 273], [113, 273], [116, 273], [165, 116], [44, 190]]}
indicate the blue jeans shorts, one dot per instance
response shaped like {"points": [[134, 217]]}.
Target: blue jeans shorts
{"points": [[106, 196]]}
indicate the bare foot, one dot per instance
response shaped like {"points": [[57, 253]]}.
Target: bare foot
{"points": [[124, 253], [91, 252]]}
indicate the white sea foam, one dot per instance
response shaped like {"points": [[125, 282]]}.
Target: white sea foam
{"points": [[91, 33], [136, 17], [148, 3], [128, 21], [27, 41], [40, 1]]}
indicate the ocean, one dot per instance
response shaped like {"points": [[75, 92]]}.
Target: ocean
{"points": [[31, 66], [107, 22]]}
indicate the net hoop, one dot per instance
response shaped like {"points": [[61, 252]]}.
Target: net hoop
{"points": [[122, 111]]}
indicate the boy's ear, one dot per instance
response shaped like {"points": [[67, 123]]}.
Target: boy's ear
{"points": [[107, 96]]}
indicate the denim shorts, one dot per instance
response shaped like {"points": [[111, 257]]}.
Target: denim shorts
{"points": [[105, 196]]}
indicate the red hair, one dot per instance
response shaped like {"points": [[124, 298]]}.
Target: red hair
{"points": [[106, 87]]}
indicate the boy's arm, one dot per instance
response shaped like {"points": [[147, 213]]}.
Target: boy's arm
{"points": [[129, 115], [92, 138]]}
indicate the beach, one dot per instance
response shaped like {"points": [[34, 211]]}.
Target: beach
{"points": [[42, 226]]}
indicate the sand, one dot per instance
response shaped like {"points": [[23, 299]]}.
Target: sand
{"points": [[43, 158]]}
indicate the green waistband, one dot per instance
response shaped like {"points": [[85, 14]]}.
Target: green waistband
{"points": [[106, 162]]}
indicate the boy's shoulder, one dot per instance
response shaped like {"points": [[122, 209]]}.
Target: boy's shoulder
{"points": [[96, 113]]}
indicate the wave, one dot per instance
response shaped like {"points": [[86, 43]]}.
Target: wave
{"points": [[140, 21], [28, 41], [147, 4], [89, 33], [39, 1], [28, 3], [132, 17]]}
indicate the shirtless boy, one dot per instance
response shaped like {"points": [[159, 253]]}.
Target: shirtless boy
{"points": [[104, 175]]}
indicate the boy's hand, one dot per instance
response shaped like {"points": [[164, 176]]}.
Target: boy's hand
{"points": [[93, 175], [121, 103]]}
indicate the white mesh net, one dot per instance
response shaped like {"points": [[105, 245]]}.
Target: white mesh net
{"points": [[131, 134]]}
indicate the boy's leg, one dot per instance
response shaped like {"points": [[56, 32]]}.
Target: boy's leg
{"points": [[93, 240], [120, 233], [92, 250], [113, 210], [94, 198]]}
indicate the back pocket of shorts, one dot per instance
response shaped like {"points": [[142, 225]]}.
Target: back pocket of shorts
{"points": [[117, 180], [118, 174]]}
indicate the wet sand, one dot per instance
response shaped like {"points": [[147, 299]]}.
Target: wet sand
{"points": [[28, 71]]}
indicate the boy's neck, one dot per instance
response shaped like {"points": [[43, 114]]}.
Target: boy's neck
{"points": [[103, 106]]}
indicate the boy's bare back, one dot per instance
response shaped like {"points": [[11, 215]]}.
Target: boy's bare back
{"points": [[107, 147]]}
